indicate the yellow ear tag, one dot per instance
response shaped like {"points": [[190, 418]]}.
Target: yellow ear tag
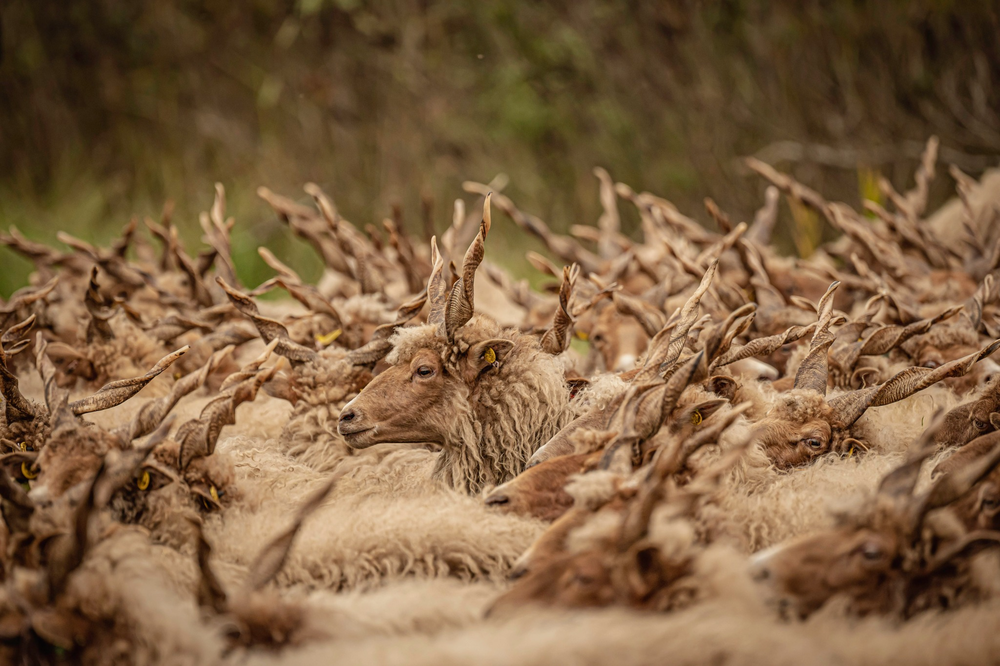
{"points": [[178, 375], [490, 355], [214, 493], [329, 337], [22, 446], [582, 335], [696, 418], [26, 471], [143, 481], [850, 454]]}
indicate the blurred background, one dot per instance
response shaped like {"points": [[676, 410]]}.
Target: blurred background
{"points": [[110, 108]]}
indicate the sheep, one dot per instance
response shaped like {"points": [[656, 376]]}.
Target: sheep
{"points": [[319, 384], [888, 558], [803, 425], [614, 555], [464, 383]]}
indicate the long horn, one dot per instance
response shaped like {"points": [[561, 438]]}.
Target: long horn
{"points": [[379, 345], [763, 221], [650, 318], [764, 346], [667, 462], [880, 341], [813, 370], [849, 407], [117, 392], [556, 339], [269, 329], [155, 411], [437, 291], [461, 302], [680, 381], [16, 406], [272, 557], [211, 593], [198, 437]]}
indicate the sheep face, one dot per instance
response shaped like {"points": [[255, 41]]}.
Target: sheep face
{"points": [[407, 402], [416, 400], [861, 564], [971, 420], [72, 455], [540, 491], [581, 580], [619, 340], [797, 430]]}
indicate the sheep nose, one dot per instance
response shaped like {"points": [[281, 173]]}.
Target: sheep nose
{"points": [[625, 363], [40, 496], [347, 416], [761, 573], [497, 499]]}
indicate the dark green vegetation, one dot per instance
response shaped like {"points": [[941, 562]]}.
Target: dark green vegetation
{"points": [[110, 107]]}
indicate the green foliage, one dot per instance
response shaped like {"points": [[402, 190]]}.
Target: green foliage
{"points": [[111, 107]]}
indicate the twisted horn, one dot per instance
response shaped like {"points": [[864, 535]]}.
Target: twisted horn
{"points": [[437, 290], [115, 393], [812, 373], [556, 339], [270, 329], [849, 407], [461, 302]]}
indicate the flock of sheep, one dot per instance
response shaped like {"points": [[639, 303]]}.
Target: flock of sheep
{"points": [[757, 459]]}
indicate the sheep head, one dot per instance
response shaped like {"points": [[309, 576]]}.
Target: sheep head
{"points": [[884, 559], [972, 419], [434, 368]]}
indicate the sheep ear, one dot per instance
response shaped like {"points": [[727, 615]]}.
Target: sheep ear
{"points": [[211, 594], [577, 384], [282, 387], [995, 420], [485, 355], [702, 411], [59, 628], [722, 386]]}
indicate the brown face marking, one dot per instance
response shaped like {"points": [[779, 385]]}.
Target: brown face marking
{"points": [[540, 491], [859, 563], [409, 402]]}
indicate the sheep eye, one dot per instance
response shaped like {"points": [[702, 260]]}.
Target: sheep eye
{"points": [[979, 424], [425, 371], [871, 552], [27, 472], [931, 364], [812, 443], [597, 338], [990, 503], [142, 483]]}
